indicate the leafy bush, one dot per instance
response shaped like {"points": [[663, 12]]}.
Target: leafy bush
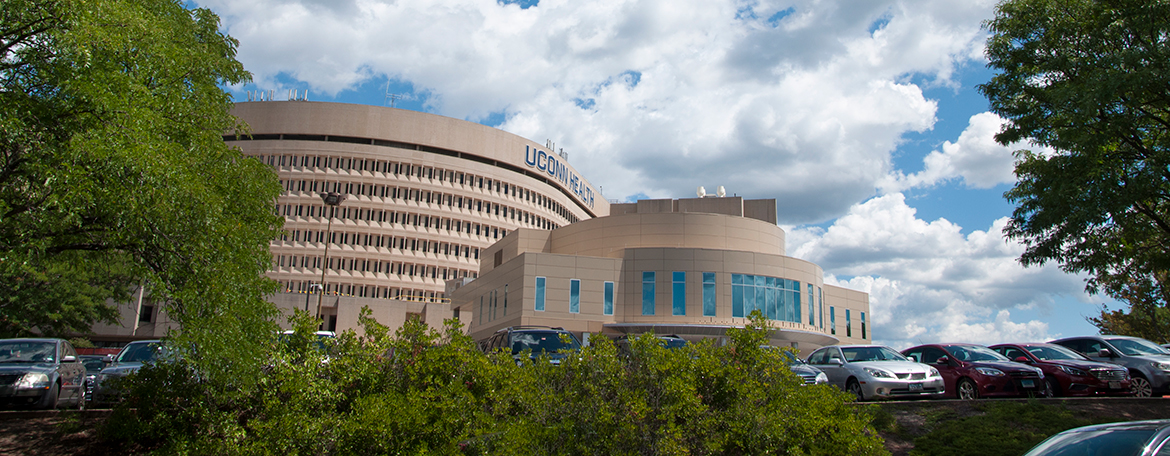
{"points": [[428, 391]]}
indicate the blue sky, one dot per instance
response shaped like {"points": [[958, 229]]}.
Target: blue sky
{"points": [[860, 118]]}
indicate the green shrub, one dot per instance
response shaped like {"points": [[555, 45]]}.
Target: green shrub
{"points": [[428, 391]]}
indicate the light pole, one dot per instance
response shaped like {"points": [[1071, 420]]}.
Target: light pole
{"points": [[312, 286], [331, 200]]}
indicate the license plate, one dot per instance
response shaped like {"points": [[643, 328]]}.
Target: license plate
{"points": [[915, 387], [1114, 385], [1028, 383]]}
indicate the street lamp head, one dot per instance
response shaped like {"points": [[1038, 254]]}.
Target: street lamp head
{"points": [[332, 198]]}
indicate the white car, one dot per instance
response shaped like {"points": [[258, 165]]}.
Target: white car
{"points": [[876, 372]]}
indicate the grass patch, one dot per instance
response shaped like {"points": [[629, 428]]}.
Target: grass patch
{"points": [[997, 428]]}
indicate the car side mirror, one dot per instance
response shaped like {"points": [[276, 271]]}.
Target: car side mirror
{"points": [[836, 362], [1022, 359], [69, 359], [942, 360], [1104, 353], [109, 359]]}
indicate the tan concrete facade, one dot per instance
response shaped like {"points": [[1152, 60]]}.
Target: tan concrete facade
{"points": [[669, 238], [425, 195]]}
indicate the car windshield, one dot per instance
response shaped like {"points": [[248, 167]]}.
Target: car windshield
{"points": [[1137, 347], [1103, 441], [139, 352], [971, 353], [1054, 352], [856, 354], [672, 343], [27, 351], [542, 341], [93, 364]]}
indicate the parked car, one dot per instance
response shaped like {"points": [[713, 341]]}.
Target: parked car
{"points": [[1148, 363], [876, 372], [43, 373], [670, 341], [93, 365], [811, 375], [128, 361], [556, 343], [1068, 373], [973, 371], [1129, 438]]}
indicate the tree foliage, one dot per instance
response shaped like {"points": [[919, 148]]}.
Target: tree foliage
{"points": [[427, 391], [113, 171], [1089, 81]]}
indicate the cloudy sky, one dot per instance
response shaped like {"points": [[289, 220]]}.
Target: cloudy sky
{"points": [[861, 119]]}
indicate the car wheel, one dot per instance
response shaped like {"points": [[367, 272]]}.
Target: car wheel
{"points": [[967, 389], [1051, 388], [49, 400], [1141, 387], [854, 388]]}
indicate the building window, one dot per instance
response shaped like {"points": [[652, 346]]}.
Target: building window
{"points": [[608, 304], [708, 294], [678, 292], [540, 294], [812, 321], [147, 314], [647, 292], [821, 306], [863, 325], [505, 299], [776, 298], [848, 325], [574, 296], [833, 320]]}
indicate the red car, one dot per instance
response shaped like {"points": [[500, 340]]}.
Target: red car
{"points": [[973, 371], [1067, 373]]}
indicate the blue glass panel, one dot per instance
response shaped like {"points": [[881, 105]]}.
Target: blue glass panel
{"points": [[608, 307], [737, 279], [648, 293], [737, 301], [540, 293], [796, 305], [574, 296], [708, 294], [772, 313]]}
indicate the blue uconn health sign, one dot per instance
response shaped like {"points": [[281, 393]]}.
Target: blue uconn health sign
{"points": [[551, 164]]}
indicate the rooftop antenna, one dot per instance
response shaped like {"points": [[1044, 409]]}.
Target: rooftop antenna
{"points": [[702, 192], [721, 191], [393, 97]]}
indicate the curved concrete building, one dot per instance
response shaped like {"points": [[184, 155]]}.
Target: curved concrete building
{"points": [[689, 267], [425, 195]]}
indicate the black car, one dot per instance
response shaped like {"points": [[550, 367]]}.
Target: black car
{"points": [[43, 373], [128, 361], [556, 343]]}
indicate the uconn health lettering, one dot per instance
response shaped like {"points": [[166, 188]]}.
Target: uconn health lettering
{"points": [[544, 161]]}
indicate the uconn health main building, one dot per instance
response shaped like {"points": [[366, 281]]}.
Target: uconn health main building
{"points": [[444, 218]]}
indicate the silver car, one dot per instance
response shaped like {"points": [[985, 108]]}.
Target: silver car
{"points": [[42, 373], [876, 372]]}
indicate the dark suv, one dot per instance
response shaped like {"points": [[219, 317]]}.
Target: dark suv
{"points": [[556, 343]]}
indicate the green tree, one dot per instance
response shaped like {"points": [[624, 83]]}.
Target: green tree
{"points": [[1089, 80], [113, 172]]}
